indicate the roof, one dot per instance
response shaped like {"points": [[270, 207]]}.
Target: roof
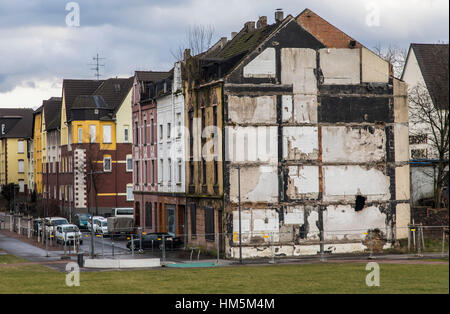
{"points": [[52, 113], [114, 91], [18, 122], [74, 88], [90, 102], [433, 63], [151, 76]]}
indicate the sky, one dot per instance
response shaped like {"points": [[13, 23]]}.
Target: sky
{"points": [[44, 41]]}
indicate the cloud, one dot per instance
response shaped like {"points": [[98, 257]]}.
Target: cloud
{"points": [[37, 46]]}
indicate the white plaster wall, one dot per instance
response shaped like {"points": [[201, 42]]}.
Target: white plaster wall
{"points": [[297, 68], [263, 66], [258, 184], [374, 68], [340, 66], [342, 222], [251, 144], [303, 182], [345, 182], [353, 144], [300, 143], [252, 109], [256, 223]]}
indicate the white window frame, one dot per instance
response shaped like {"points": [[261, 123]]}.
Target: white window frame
{"points": [[130, 194], [92, 133], [80, 135], [21, 186], [107, 134], [129, 158], [21, 166], [104, 164], [20, 148]]}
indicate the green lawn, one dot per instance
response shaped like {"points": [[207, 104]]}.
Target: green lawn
{"points": [[278, 279], [10, 259]]}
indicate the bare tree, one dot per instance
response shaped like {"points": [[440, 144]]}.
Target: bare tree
{"points": [[198, 39], [394, 55], [429, 120]]}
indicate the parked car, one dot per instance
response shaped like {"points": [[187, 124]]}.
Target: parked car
{"points": [[94, 221], [52, 222], [154, 240], [101, 226], [67, 234], [37, 226], [82, 220]]}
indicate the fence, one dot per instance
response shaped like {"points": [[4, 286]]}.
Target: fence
{"points": [[268, 246]]}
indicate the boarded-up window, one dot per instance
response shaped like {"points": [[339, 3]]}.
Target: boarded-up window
{"points": [[21, 166], [209, 223], [20, 148]]}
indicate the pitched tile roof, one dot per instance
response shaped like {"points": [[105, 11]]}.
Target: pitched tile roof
{"points": [[18, 122], [114, 91], [52, 113], [151, 76], [74, 88], [433, 63]]}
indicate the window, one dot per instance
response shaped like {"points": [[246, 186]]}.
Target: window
{"points": [[148, 215], [107, 163], [126, 136], [145, 132], [130, 196], [161, 132], [92, 131], [107, 134], [54, 165], [160, 172], [179, 124], [137, 172], [418, 139], [193, 219], [170, 170], [129, 163], [145, 172], [152, 134], [20, 148], [21, 186], [136, 133], [60, 192], [153, 172], [209, 224], [80, 135], [21, 166], [179, 171], [169, 126]]}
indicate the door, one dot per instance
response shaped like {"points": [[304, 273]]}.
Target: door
{"points": [[171, 219]]}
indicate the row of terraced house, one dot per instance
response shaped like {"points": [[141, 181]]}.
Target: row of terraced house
{"points": [[295, 124]]}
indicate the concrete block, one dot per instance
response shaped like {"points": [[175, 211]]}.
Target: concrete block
{"points": [[340, 66], [263, 66]]}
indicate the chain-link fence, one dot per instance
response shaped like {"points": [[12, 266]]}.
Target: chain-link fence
{"points": [[265, 246]]}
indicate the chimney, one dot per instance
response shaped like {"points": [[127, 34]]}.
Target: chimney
{"points": [[233, 34], [187, 54], [249, 27], [262, 22], [279, 15]]}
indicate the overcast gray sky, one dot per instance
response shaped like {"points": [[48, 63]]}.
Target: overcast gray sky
{"points": [[38, 49]]}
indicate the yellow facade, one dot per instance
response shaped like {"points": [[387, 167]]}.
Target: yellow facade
{"points": [[14, 165], [38, 152], [85, 134]]}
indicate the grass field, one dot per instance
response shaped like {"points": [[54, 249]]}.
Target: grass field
{"points": [[278, 279]]}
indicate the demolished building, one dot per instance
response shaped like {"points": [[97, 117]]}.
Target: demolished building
{"points": [[316, 127]]}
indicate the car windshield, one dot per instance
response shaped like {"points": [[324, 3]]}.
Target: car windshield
{"points": [[84, 217], [60, 222], [70, 229], [127, 212], [104, 223]]}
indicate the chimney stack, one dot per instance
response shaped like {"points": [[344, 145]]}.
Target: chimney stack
{"points": [[262, 22], [279, 15], [187, 54], [233, 34], [249, 27]]}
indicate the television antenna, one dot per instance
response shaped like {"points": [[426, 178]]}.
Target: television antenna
{"points": [[97, 66]]}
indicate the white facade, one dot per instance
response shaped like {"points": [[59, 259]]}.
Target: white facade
{"points": [[170, 138]]}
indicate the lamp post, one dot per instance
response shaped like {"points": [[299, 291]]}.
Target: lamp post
{"points": [[91, 173]]}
